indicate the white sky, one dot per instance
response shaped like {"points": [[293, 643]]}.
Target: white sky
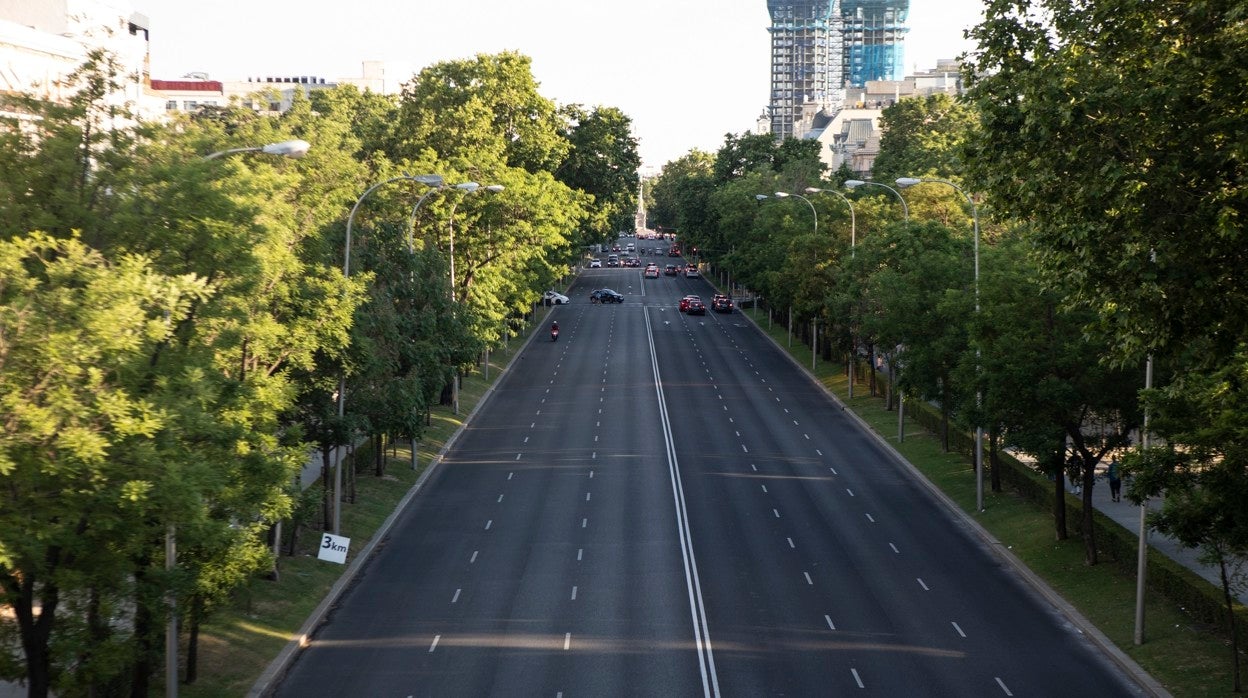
{"points": [[685, 71]]}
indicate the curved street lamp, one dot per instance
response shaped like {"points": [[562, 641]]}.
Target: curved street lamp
{"points": [[905, 182], [291, 149], [853, 225], [785, 195], [855, 183]]}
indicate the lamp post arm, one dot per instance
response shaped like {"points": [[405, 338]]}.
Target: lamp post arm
{"points": [[905, 210], [219, 153], [813, 212], [411, 220]]}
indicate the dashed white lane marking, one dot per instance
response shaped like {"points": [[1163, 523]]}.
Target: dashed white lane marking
{"points": [[533, 425], [455, 598], [567, 640], [591, 475], [737, 433], [818, 452], [488, 524], [807, 576], [790, 540], [830, 626], [958, 628], [795, 423], [434, 646], [730, 421], [922, 584], [764, 488], [579, 553], [786, 410], [833, 470], [574, 593], [776, 512], [500, 497], [595, 438], [584, 523], [753, 467], [894, 548], [1002, 685], [509, 475], [870, 518], [518, 456], [474, 557], [857, 678], [743, 448], [587, 496], [807, 436], [526, 439]]}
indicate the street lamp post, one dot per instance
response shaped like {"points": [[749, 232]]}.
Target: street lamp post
{"points": [[293, 149], [430, 180], [468, 187], [904, 182], [855, 183], [853, 243], [785, 195]]}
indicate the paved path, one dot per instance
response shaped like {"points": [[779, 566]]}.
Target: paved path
{"points": [[1128, 515]]}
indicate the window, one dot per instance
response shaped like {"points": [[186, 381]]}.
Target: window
{"points": [[171, 105]]}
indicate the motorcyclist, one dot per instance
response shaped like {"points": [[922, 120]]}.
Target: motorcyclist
{"points": [[554, 326]]}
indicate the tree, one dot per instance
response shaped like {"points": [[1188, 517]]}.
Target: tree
{"points": [[923, 136], [602, 162], [483, 112]]}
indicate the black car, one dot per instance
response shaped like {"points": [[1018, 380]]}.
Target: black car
{"points": [[606, 295], [721, 303]]}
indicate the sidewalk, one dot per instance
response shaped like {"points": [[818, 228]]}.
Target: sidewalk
{"points": [[1128, 515]]}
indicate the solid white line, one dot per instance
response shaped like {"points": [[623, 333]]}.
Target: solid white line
{"points": [[567, 640], [790, 540], [894, 548], [807, 576], [922, 584], [455, 598], [697, 609], [830, 626], [857, 678], [1002, 685], [574, 593], [474, 557], [958, 628], [488, 524], [435, 642]]}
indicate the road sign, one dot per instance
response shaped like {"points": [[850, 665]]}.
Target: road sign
{"points": [[333, 548]]}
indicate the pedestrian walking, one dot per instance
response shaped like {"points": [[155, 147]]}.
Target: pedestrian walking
{"points": [[1115, 481]]}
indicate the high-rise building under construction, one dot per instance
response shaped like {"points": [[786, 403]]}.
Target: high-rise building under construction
{"points": [[818, 47]]}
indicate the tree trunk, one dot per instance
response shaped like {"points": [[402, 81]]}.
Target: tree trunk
{"points": [[1230, 612], [379, 455], [144, 623], [1059, 500], [944, 419], [327, 491], [35, 632], [994, 458], [1086, 519], [871, 371], [192, 642]]}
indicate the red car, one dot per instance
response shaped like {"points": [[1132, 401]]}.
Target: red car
{"points": [[721, 303], [684, 302], [696, 306]]}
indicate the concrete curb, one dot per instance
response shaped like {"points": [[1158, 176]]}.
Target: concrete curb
{"points": [[1129, 667], [277, 668]]}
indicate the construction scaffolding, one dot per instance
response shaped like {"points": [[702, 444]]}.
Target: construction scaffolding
{"points": [[874, 36], [807, 63]]}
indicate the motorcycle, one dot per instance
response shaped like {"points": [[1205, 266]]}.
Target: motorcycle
{"points": [[554, 335]]}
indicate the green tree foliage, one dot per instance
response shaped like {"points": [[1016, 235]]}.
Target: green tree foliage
{"points": [[676, 201], [483, 112], [751, 152], [923, 137], [602, 162]]}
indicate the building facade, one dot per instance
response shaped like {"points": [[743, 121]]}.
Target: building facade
{"points": [[874, 39], [807, 63]]}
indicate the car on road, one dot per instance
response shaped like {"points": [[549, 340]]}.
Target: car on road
{"points": [[613, 261], [684, 302], [721, 303], [652, 271], [696, 306], [691, 272], [595, 264], [632, 262], [553, 297], [669, 270], [606, 295]]}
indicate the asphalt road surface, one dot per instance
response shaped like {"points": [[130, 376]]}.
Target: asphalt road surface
{"points": [[662, 505]]}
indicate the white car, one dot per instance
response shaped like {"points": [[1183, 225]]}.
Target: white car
{"points": [[554, 297], [595, 264]]}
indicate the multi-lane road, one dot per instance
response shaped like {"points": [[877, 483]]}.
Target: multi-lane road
{"points": [[662, 505]]}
